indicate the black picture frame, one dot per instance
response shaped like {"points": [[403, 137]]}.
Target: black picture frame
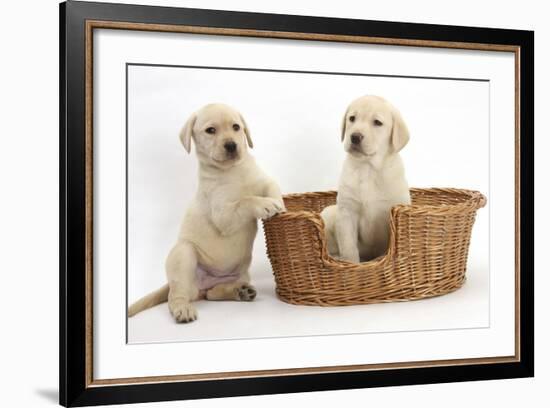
{"points": [[76, 389]]}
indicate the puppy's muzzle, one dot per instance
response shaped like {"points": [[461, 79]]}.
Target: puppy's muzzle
{"points": [[230, 147], [356, 139]]}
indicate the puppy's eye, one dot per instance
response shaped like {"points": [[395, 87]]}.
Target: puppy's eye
{"points": [[211, 130], [377, 122], [236, 127], [352, 118]]}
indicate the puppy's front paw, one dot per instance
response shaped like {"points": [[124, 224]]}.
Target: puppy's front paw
{"points": [[182, 311], [349, 258], [268, 207], [246, 293]]}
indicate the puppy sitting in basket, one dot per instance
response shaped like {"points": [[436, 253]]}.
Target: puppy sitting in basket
{"points": [[371, 183]]}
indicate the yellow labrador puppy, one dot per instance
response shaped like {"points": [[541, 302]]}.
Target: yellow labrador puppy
{"points": [[371, 183], [214, 250]]}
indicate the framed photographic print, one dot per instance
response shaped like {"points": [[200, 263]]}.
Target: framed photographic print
{"points": [[257, 203]]}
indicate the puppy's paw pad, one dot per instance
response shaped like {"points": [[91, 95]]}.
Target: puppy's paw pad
{"points": [[183, 312], [246, 293]]}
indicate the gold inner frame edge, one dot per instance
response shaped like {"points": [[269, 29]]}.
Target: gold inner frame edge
{"points": [[93, 24]]}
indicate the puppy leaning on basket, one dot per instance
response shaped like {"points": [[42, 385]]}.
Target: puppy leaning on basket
{"points": [[213, 253], [371, 183]]}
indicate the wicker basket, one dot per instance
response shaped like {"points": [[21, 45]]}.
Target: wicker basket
{"points": [[427, 253]]}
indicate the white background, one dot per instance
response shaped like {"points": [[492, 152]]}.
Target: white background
{"points": [[113, 359], [29, 151], [295, 121]]}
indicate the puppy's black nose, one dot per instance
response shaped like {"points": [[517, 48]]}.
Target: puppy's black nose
{"points": [[356, 138], [230, 147]]}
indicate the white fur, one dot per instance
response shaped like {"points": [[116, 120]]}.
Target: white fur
{"points": [[220, 225], [371, 183]]}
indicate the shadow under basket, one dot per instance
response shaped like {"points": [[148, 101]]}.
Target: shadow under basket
{"points": [[427, 254]]}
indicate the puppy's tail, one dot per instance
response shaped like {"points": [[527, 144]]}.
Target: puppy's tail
{"points": [[152, 299]]}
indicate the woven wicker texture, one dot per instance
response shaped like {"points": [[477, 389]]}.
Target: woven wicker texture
{"points": [[427, 254]]}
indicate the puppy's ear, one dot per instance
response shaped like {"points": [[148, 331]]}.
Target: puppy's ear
{"points": [[343, 127], [400, 132], [187, 132], [246, 132]]}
